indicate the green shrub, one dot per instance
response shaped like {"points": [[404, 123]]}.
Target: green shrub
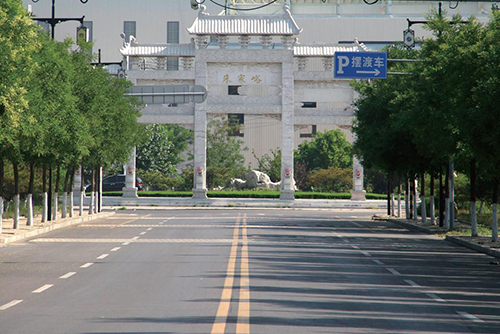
{"points": [[333, 179], [257, 193], [187, 178], [154, 180], [219, 176]]}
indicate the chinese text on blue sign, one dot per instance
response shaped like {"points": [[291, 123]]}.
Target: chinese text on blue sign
{"points": [[360, 65]]}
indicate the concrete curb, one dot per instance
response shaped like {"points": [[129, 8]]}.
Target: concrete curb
{"points": [[455, 240], [477, 248], [65, 223]]}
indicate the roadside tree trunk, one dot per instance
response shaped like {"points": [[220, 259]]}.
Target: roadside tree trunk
{"points": [[407, 199], [389, 194], [56, 194], [423, 205], [2, 171], [441, 199], [45, 197], [447, 199], [494, 215], [65, 193], [473, 213], [29, 200], [399, 199], [432, 208], [82, 193], [92, 184], [71, 200], [414, 193], [15, 167]]}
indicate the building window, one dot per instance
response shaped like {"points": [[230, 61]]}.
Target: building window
{"points": [[90, 26], [173, 32], [308, 104], [308, 132], [233, 90], [172, 64], [129, 29], [236, 124], [214, 39]]}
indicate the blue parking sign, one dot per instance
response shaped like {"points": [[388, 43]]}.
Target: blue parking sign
{"points": [[360, 65]]}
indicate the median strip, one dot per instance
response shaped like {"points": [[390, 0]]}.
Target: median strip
{"points": [[243, 322], [219, 325]]}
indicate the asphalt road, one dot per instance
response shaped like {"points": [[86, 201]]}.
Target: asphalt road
{"points": [[245, 271]]}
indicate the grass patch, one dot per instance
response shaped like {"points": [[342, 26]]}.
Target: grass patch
{"points": [[457, 232]]}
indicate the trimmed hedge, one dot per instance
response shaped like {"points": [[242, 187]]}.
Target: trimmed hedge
{"points": [[248, 194]]}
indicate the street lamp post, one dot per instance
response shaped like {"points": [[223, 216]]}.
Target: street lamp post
{"points": [[53, 21]]}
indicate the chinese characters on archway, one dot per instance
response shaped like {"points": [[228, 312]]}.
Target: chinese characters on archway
{"points": [[241, 78]]}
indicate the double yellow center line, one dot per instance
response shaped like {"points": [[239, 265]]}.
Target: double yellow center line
{"points": [[243, 320]]}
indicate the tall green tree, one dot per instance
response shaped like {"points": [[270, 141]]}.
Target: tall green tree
{"points": [[270, 164], [327, 149], [110, 115], [18, 43], [163, 148], [485, 134], [223, 149]]}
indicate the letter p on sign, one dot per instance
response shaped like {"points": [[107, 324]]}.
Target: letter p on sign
{"points": [[343, 62]]}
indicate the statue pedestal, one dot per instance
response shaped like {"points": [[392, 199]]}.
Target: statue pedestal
{"points": [[130, 193], [199, 194], [358, 195], [287, 195]]}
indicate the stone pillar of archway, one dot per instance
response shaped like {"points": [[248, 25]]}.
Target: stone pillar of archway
{"points": [[130, 190], [200, 136], [287, 130], [357, 193]]}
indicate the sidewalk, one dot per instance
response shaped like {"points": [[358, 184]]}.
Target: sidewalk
{"points": [[482, 244], [10, 235]]}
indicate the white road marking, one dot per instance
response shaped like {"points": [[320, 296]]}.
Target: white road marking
{"points": [[142, 233], [436, 298], [135, 240], [413, 284], [393, 271], [103, 256], [366, 254], [43, 288], [86, 265], [355, 247], [149, 229], [68, 275], [470, 316], [126, 243], [115, 249], [9, 305], [378, 262]]}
